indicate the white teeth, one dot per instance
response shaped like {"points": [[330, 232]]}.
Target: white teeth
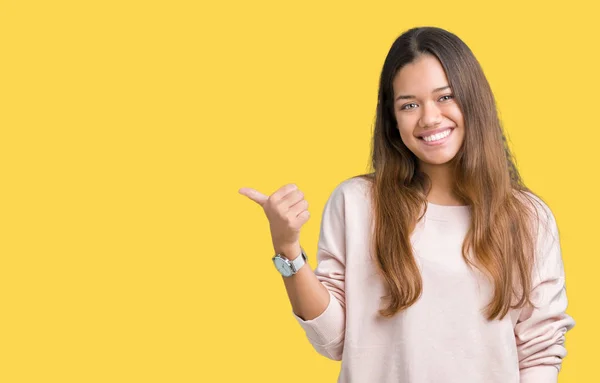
{"points": [[436, 137]]}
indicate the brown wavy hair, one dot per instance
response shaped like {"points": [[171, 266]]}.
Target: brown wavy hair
{"points": [[501, 237]]}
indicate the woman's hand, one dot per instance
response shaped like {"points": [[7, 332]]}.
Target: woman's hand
{"points": [[287, 210]]}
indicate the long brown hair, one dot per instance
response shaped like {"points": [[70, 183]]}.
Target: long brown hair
{"points": [[501, 237]]}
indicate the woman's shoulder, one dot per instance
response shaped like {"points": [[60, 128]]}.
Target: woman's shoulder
{"points": [[544, 221], [536, 203], [351, 193], [359, 186]]}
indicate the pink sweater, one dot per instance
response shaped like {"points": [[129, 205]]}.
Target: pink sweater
{"points": [[443, 337]]}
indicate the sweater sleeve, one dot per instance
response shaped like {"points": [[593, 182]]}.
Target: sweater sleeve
{"points": [[540, 329], [326, 331]]}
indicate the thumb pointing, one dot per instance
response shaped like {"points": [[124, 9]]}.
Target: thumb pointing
{"points": [[254, 195]]}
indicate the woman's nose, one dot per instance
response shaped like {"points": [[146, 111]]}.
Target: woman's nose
{"points": [[431, 115]]}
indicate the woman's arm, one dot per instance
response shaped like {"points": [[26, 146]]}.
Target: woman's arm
{"points": [[317, 297], [540, 330]]}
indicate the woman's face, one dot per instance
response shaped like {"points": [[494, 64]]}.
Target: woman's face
{"points": [[430, 122]]}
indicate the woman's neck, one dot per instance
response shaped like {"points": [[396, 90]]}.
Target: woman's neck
{"points": [[442, 185]]}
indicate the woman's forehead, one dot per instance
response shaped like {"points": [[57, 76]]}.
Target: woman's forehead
{"points": [[423, 76]]}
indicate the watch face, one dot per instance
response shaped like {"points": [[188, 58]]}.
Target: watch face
{"points": [[282, 267]]}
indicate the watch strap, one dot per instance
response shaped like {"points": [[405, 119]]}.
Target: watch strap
{"points": [[299, 261]]}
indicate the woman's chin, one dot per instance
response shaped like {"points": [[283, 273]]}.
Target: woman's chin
{"points": [[437, 160]]}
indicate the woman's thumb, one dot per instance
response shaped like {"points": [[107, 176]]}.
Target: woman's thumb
{"points": [[254, 195]]}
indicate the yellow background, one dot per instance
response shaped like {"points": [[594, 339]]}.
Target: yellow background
{"points": [[127, 128]]}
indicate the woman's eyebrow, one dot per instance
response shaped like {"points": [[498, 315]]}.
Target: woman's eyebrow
{"points": [[404, 97]]}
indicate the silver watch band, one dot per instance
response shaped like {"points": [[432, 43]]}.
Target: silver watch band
{"points": [[298, 262], [288, 268]]}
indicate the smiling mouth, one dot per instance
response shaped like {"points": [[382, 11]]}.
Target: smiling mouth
{"points": [[438, 136]]}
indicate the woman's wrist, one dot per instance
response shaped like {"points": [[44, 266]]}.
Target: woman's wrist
{"points": [[291, 252]]}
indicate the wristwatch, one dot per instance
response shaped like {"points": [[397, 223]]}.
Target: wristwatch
{"points": [[288, 268]]}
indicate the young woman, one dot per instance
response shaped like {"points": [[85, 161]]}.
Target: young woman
{"points": [[440, 265]]}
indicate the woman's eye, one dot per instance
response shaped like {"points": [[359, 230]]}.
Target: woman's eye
{"points": [[407, 106], [449, 96]]}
